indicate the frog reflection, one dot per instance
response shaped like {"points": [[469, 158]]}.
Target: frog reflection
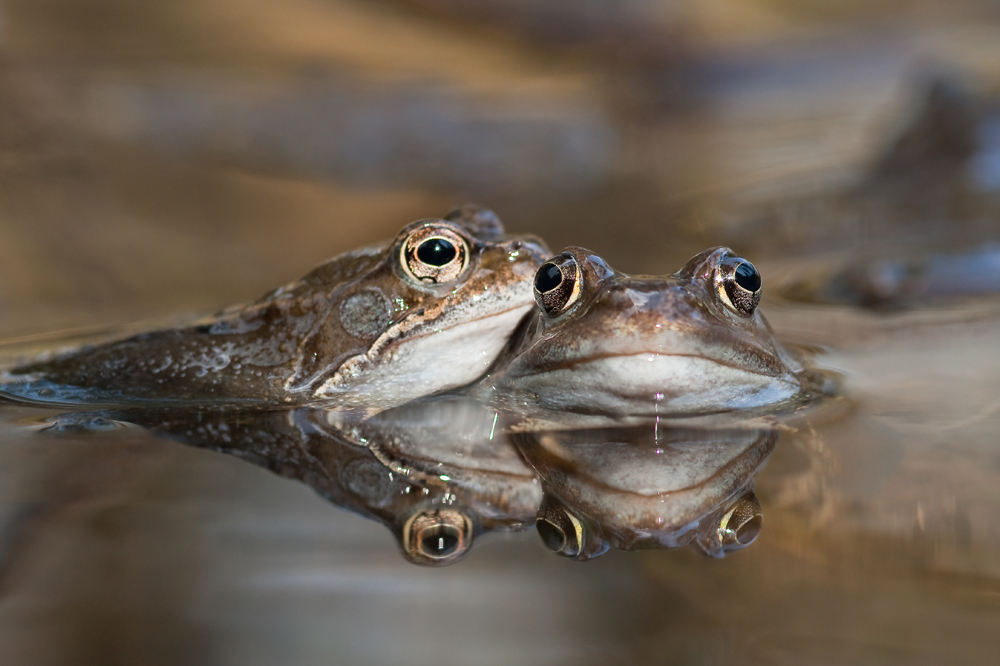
{"points": [[451, 442], [441, 472], [368, 330], [647, 487], [436, 488], [609, 348]]}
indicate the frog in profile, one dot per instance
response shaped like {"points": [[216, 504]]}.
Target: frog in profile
{"points": [[367, 330]]}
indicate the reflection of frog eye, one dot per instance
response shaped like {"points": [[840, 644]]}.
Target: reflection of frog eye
{"points": [[437, 537], [741, 525], [565, 534], [561, 532], [557, 284], [738, 284], [434, 254]]}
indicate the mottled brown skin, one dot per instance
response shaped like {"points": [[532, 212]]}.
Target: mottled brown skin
{"points": [[281, 347], [570, 362], [622, 311]]}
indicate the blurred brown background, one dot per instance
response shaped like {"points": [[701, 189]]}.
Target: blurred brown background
{"points": [[166, 157], [158, 157]]}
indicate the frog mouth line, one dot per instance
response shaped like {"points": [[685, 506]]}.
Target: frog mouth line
{"points": [[378, 350], [417, 336], [401, 356], [570, 364], [396, 464]]}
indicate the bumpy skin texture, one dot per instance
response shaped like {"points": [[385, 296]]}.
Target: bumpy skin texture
{"points": [[355, 315], [644, 347]]}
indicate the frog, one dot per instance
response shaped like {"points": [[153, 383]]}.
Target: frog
{"points": [[471, 475], [639, 487], [365, 331], [435, 472], [606, 347]]}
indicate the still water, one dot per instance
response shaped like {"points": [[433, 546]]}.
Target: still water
{"points": [[176, 159]]}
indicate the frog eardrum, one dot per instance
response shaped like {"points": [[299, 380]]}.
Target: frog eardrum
{"points": [[434, 253]]}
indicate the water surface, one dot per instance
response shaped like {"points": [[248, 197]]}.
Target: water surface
{"points": [[880, 541]]}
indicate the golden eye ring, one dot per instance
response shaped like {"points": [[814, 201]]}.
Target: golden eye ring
{"points": [[437, 537], [561, 532], [557, 284], [738, 284], [434, 254], [741, 524], [565, 533]]}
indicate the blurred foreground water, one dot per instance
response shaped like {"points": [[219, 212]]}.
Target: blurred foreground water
{"points": [[165, 158]]}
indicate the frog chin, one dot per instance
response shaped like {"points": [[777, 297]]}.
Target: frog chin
{"points": [[650, 384], [430, 362], [624, 485]]}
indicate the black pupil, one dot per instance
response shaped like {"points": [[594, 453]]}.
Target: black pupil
{"points": [[440, 542], [547, 278], [748, 531], [436, 252], [748, 277], [553, 537]]}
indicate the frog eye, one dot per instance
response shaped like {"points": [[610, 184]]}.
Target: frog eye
{"points": [[557, 284], [561, 532], [741, 524], [434, 254], [565, 534], [437, 537], [738, 284]]}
